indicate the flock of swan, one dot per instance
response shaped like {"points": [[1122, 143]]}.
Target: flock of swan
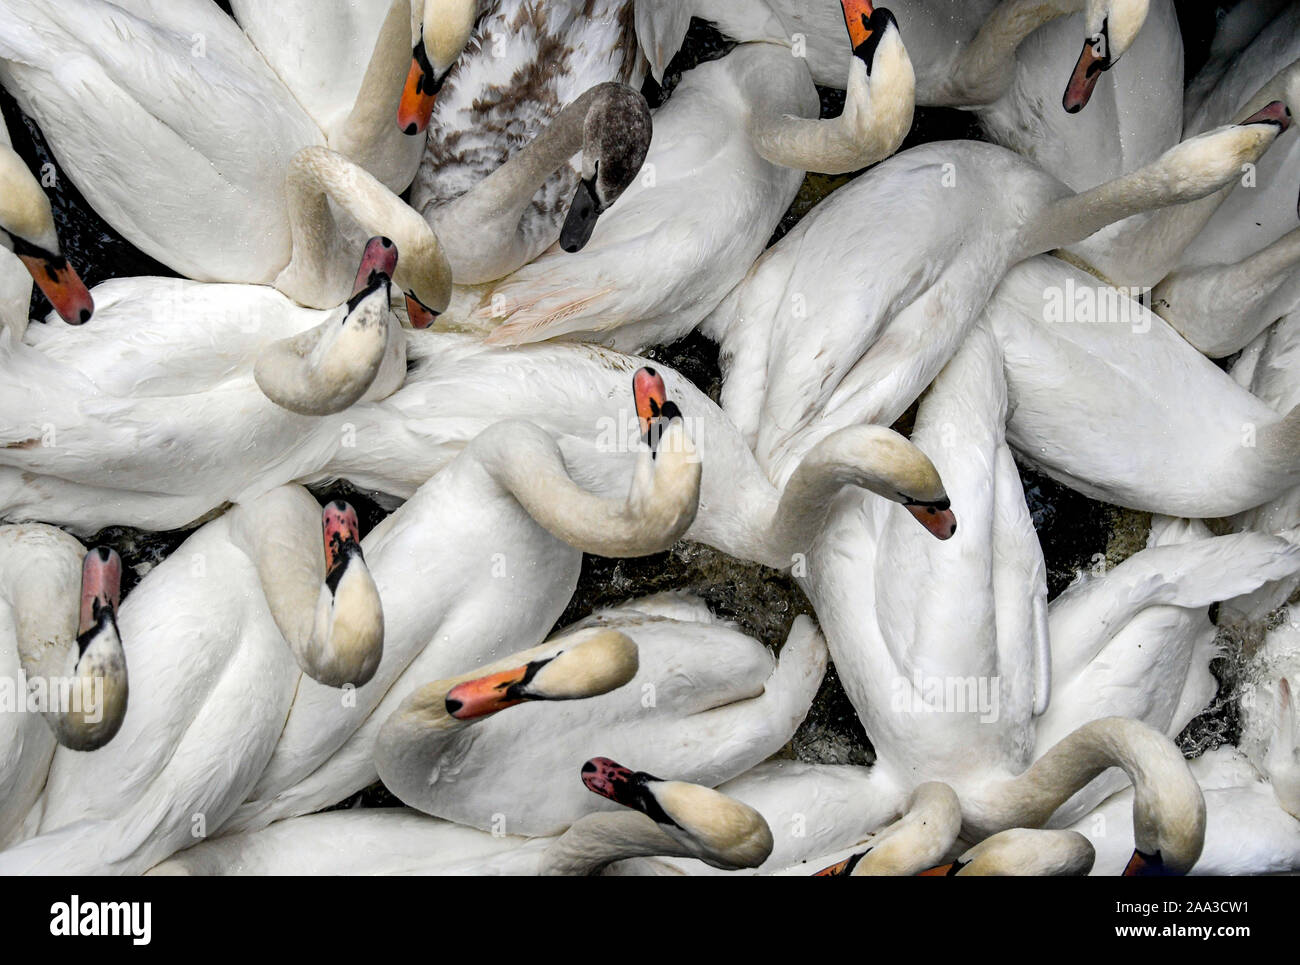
{"points": [[420, 246]]}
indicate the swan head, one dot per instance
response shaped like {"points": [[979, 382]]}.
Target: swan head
{"points": [[1024, 851], [98, 678], [598, 664], [665, 492], [717, 829], [329, 367], [27, 224], [890, 465], [881, 96], [616, 138], [1112, 26], [1205, 163], [348, 633], [442, 31]]}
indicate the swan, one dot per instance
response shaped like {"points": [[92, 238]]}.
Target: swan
{"points": [[747, 120], [457, 387], [1239, 273], [1248, 830], [675, 818], [924, 678], [347, 62], [266, 217], [960, 214], [1167, 431], [58, 634], [523, 63], [214, 636], [1024, 851], [167, 338], [965, 55], [29, 250], [707, 703], [1137, 641], [499, 534]]}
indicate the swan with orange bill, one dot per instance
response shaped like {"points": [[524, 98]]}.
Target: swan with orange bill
{"points": [[727, 156], [720, 704], [30, 251], [219, 637], [482, 559], [68, 658], [965, 54]]}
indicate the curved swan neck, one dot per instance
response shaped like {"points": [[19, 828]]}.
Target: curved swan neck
{"points": [[876, 117], [856, 456], [322, 269], [599, 840], [526, 462], [985, 67], [1164, 789]]}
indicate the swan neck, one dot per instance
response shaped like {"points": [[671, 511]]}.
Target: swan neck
{"points": [[598, 840], [987, 64]]}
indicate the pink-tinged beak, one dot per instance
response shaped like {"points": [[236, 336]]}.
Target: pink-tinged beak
{"points": [[1146, 866], [651, 396], [380, 257], [101, 586], [611, 780], [940, 522], [1273, 113], [61, 284], [341, 530], [1083, 81], [487, 695], [421, 315]]}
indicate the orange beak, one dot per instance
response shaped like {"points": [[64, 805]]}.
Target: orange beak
{"points": [[339, 522], [420, 315], [101, 586], [487, 695], [419, 95], [1146, 866], [61, 284], [938, 871], [857, 17], [1087, 70], [648, 389], [836, 870], [380, 256], [940, 522]]}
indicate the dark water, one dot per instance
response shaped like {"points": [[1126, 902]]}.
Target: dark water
{"points": [[1073, 530]]}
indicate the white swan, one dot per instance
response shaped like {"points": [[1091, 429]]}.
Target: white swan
{"points": [[924, 677], [1247, 831], [687, 819], [810, 345], [1239, 273], [499, 533], [707, 703], [524, 62], [346, 62], [747, 120], [1024, 851], [58, 643], [29, 250], [457, 387], [205, 635], [965, 54], [1167, 431]]}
